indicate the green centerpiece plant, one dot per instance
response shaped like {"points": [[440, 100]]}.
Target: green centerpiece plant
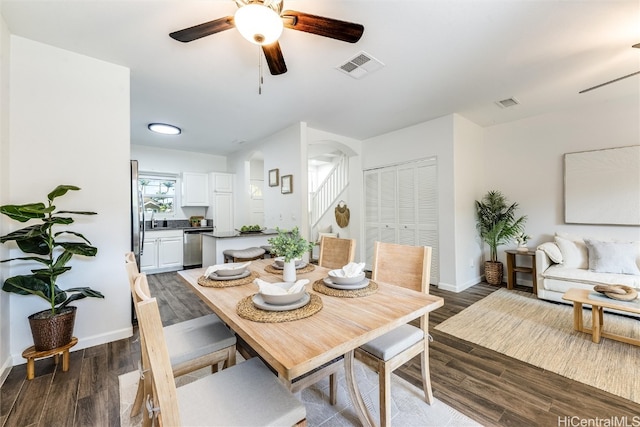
{"points": [[291, 246], [497, 225], [52, 249]]}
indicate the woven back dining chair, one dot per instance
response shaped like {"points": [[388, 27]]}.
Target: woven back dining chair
{"points": [[244, 394], [409, 267], [336, 252], [193, 344]]}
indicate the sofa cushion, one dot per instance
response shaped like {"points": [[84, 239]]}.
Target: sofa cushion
{"points": [[612, 257], [552, 250], [567, 276], [574, 252]]}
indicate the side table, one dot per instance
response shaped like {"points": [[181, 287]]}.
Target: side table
{"points": [[513, 268], [31, 355]]}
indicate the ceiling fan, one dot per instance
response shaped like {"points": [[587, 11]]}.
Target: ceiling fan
{"points": [[637, 45], [261, 22]]}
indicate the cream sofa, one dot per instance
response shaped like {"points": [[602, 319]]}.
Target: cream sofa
{"points": [[574, 262]]}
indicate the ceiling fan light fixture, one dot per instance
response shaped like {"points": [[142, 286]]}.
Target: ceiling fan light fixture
{"points": [[164, 129], [259, 24]]}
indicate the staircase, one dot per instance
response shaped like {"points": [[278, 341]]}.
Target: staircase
{"points": [[329, 190]]}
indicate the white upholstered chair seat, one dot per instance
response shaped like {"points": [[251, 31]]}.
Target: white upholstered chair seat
{"points": [[195, 338], [247, 394], [394, 342]]}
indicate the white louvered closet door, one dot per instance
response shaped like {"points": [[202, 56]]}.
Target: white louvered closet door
{"points": [[401, 206]]}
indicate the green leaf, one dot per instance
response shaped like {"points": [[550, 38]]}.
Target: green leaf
{"points": [[73, 233], [27, 285], [78, 212], [28, 258], [61, 190], [87, 292], [58, 220], [24, 213], [79, 248], [36, 245]]}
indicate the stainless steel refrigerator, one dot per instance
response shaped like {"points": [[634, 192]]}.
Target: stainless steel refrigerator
{"points": [[137, 222]]}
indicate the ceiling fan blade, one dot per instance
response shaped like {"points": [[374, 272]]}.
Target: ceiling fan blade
{"points": [[609, 82], [275, 60], [202, 30], [637, 45], [319, 25]]}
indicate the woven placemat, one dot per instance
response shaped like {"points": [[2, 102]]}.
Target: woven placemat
{"points": [[210, 283], [370, 289], [247, 310], [306, 269]]}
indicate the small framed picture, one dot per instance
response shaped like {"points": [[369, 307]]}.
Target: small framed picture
{"points": [[274, 178], [287, 184]]}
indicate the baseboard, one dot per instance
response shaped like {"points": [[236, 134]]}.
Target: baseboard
{"points": [[460, 287], [86, 342], [4, 371]]}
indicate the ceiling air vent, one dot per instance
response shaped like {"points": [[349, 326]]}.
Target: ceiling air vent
{"points": [[506, 103], [360, 65]]}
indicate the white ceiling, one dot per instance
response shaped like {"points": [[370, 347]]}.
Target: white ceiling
{"points": [[440, 56]]}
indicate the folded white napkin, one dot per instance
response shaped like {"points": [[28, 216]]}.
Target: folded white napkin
{"points": [[271, 289], [228, 266], [352, 269]]}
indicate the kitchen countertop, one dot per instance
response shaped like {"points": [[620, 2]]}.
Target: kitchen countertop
{"points": [[231, 234]]}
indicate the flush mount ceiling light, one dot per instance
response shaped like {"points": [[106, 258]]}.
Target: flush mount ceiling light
{"points": [[164, 129], [258, 23]]}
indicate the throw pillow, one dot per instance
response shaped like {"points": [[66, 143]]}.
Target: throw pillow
{"points": [[323, 230], [574, 252], [553, 251], [612, 257]]}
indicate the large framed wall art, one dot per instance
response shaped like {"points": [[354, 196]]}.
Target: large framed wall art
{"points": [[602, 186]]}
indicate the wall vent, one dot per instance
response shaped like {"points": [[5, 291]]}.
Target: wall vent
{"points": [[360, 65], [506, 103]]}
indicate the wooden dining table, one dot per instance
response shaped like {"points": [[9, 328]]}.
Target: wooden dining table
{"points": [[294, 348]]}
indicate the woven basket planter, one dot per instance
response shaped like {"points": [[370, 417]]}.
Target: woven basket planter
{"points": [[493, 272], [51, 332]]}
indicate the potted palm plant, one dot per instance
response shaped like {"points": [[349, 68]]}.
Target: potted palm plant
{"points": [[53, 249], [290, 245], [497, 225]]}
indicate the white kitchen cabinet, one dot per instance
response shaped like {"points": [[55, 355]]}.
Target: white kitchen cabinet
{"points": [[162, 251], [222, 182], [223, 212], [222, 201], [195, 189]]}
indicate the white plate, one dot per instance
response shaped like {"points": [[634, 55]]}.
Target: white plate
{"points": [[359, 285], [215, 276], [303, 264], [259, 302]]}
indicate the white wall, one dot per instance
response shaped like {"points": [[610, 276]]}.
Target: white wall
{"points": [[524, 160], [468, 149], [5, 334], [60, 102]]}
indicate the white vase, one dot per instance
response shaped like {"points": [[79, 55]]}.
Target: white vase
{"points": [[523, 248], [289, 271]]}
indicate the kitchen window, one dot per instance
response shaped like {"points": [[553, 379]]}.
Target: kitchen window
{"points": [[159, 194]]}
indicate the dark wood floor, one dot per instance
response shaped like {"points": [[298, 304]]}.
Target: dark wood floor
{"points": [[491, 388]]}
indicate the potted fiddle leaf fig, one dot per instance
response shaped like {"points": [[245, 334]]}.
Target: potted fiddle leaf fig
{"points": [[497, 225], [52, 249]]}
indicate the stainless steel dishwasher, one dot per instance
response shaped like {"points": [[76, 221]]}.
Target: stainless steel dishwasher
{"points": [[192, 250]]}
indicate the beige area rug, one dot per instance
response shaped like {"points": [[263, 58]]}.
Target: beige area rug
{"points": [[408, 407], [541, 333]]}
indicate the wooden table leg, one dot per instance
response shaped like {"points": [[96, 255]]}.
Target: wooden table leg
{"points": [[596, 323], [577, 316], [356, 398]]}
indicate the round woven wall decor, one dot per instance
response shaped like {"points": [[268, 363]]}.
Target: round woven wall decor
{"points": [[342, 214]]}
